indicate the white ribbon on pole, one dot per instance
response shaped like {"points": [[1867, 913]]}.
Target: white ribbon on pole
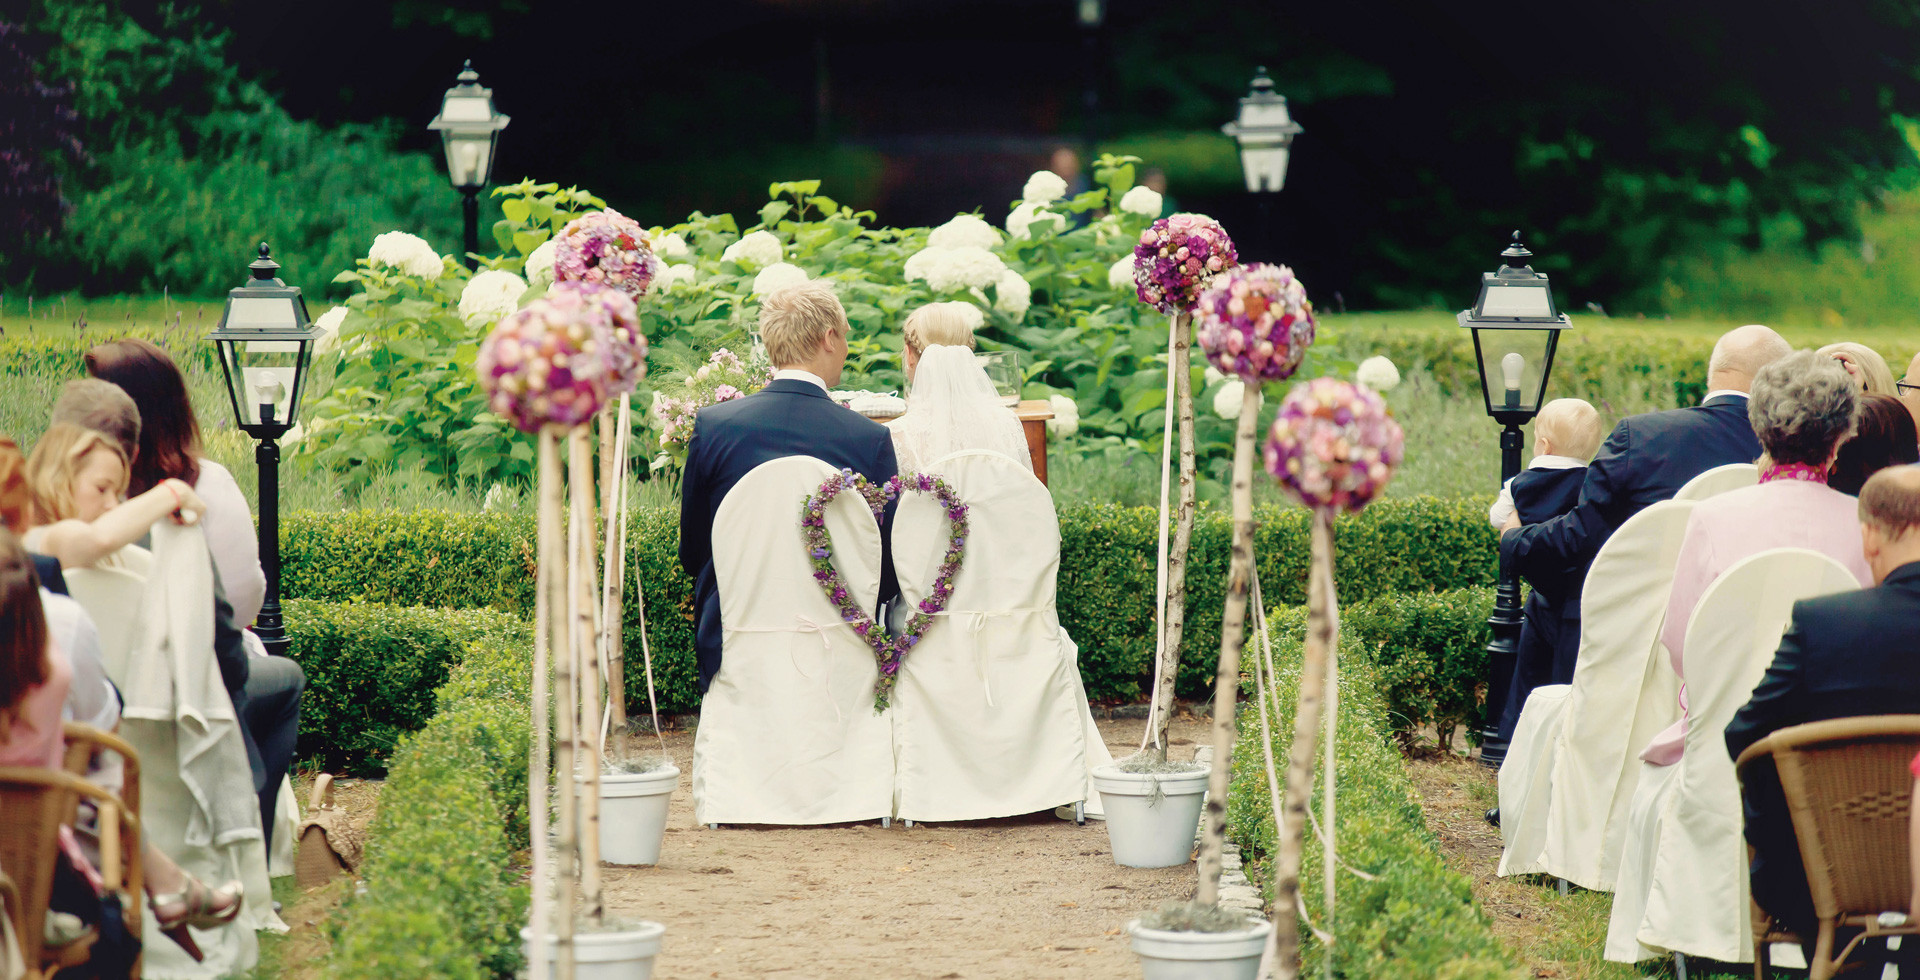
{"points": [[1160, 562]]}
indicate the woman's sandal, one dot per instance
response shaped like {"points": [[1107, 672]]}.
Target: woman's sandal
{"points": [[197, 906]]}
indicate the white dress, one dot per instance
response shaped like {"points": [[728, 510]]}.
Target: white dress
{"points": [[953, 408]]}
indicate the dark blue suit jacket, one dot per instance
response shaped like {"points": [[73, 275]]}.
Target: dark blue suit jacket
{"points": [[1540, 496], [1647, 459], [47, 568], [1844, 655], [787, 418]]}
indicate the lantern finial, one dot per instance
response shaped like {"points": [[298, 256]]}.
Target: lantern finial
{"points": [[265, 267], [1516, 255], [467, 75]]}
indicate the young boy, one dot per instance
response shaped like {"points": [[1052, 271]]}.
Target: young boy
{"points": [[1566, 434]]}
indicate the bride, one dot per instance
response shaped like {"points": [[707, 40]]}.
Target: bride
{"points": [[952, 405]]}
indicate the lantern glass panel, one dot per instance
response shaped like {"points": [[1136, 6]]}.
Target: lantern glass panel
{"points": [[1528, 300], [262, 313], [1265, 167], [264, 373], [1510, 363], [468, 157], [467, 109]]}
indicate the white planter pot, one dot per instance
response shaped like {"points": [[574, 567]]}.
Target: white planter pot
{"points": [[1149, 829], [624, 955], [1199, 955], [633, 815]]}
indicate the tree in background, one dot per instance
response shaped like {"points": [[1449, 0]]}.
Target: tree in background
{"points": [[38, 139]]}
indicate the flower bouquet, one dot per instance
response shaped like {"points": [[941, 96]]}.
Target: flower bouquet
{"points": [[608, 248], [725, 377]]}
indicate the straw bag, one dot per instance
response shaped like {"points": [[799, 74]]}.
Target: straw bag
{"points": [[329, 843]]}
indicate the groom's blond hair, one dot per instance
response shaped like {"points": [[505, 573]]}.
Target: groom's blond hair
{"points": [[795, 318]]}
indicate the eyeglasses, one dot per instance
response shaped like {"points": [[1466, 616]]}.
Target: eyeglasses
{"points": [[1906, 386]]}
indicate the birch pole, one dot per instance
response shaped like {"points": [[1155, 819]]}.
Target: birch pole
{"points": [[586, 637], [1155, 737], [540, 762], [1233, 639], [1306, 728], [1173, 624], [566, 714], [1329, 760], [614, 426]]}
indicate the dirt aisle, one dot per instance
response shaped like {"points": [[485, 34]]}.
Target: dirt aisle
{"points": [[1017, 898]]}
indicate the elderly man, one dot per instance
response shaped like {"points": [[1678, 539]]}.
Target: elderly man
{"points": [[805, 330], [1844, 655]]}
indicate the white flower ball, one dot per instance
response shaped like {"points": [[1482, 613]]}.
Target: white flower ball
{"points": [[1120, 274], [1044, 186], [779, 275], [1215, 375], [1142, 199], [1012, 295], [1066, 417], [1030, 218], [963, 231], [922, 262], [671, 247], [329, 327], [490, 295], [675, 275], [1227, 401], [1378, 373], [975, 318], [539, 267], [964, 268], [756, 250], [410, 254]]}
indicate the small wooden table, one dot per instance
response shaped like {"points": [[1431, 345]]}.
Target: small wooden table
{"points": [[1033, 415]]}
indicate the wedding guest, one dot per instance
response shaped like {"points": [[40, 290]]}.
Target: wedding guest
{"points": [[1844, 655], [14, 501], [1868, 369], [1803, 407], [953, 405], [1885, 437], [804, 329], [1565, 435], [1909, 388], [75, 478]]}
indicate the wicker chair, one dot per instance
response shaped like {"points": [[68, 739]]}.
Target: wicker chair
{"points": [[1848, 790], [37, 803]]}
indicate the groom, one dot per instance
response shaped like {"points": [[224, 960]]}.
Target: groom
{"points": [[805, 331]]}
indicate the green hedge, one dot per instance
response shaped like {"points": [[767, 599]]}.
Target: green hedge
{"points": [[1416, 918], [1429, 656], [432, 558], [1590, 366], [441, 898]]}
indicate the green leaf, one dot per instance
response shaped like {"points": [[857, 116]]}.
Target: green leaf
{"points": [[527, 241], [517, 210], [773, 212]]}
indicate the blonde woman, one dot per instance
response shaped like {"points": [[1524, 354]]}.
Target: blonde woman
{"points": [[953, 405], [75, 478], [1866, 367]]}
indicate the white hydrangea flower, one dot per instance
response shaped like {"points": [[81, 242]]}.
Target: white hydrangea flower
{"points": [[964, 268], [756, 250], [1215, 375], [1227, 401], [1066, 417], [539, 267], [294, 435], [1378, 373], [671, 247], [963, 231], [1012, 295], [1120, 274], [779, 275], [973, 315], [1022, 222], [496, 498], [410, 254], [674, 275], [329, 327], [1044, 186], [490, 295], [921, 262], [1142, 199]]}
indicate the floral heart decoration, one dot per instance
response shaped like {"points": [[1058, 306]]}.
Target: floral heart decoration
{"points": [[889, 650]]}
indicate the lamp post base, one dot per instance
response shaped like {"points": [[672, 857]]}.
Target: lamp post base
{"points": [[1503, 644]]}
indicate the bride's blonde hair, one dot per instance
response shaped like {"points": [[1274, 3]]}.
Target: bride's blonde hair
{"points": [[938, 323]]}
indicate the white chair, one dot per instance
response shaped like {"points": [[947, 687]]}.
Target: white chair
{"points": [[988, 712], [1719, 480], [1683, 872], [788, 733], [1568, 776]]}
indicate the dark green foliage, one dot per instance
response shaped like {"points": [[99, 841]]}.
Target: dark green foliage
{"points": [[1106, 582], [1416, 918], [38, 138], [1429, 654]]}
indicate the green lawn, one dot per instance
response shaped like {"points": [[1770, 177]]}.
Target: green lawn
{"points": [[53, 315]]}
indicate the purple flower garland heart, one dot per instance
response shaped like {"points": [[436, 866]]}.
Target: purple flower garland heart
{"points": [[888, 649]]}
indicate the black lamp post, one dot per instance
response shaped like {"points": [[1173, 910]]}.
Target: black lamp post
{"points": [[469, 129], [1515, 328], [1265, 131], [1092, 15], [266, 343]]}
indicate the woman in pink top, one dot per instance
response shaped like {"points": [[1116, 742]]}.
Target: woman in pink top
{"points": [[34, 674], [1803, 407]]}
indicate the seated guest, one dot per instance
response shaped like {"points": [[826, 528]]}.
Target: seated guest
{"points": [[1868, 369], [953, 405], [1885, 437], [1909, 389], [1843, 655], [1803, 408], [1565, 434], [13, 512], [75, 478]]}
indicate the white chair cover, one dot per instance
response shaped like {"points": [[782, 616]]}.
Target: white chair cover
{"points": [[111, 593], [1683, 877], [1568, 776], [1720, 479], [788, 734], [989, 716]]}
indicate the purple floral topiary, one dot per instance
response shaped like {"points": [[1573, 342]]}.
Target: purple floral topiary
{"points": [[1333, 445], [612, 313], [1176, 256], [1255, 322], [546, 364], [605, 247]]}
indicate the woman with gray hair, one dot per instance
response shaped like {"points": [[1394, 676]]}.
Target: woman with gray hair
{"points": [[1803, 407]]}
